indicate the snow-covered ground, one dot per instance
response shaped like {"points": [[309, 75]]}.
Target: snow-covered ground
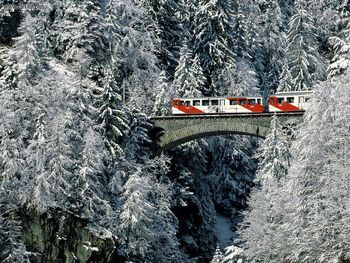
{"points": [[223, 230]]}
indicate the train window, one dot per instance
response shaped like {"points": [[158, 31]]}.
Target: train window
{"points": [[176, 103], [188, 103], [290, 99], [196, 103], [259, 101], [182, 103], [233, 102], [214, 102], [280, 100], [242, 102], [205, 102], [251, 101]]}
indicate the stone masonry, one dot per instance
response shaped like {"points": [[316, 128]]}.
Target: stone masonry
{"points": [[171, 131]]}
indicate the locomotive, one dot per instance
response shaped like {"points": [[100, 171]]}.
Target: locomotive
{"points": [[280, 102]]}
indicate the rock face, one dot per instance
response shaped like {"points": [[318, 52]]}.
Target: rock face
{"points": [[9, 27], [57, 236]]}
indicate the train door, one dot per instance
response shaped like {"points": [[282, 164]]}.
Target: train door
{"points": [[222, 105], [301, 102]]}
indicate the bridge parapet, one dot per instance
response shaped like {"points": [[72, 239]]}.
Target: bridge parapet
{"points": [[171, 131]]}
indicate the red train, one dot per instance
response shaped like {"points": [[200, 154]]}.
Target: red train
{"points": [[280, 102]]}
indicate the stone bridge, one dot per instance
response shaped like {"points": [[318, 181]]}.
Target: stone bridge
{"points": [[171, 131]]}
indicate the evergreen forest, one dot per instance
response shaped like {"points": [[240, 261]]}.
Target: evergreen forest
{"points": [[79, 83]]}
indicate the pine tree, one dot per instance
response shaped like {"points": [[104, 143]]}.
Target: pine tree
{"points": [[234, 254], [259, 229], [111, 117], [12, 249], [341, 59], [136, 216], [166, 244], [238, 80], [301, 54], [78, 35], [136, 63], [213, 40], [218, 257], [286, 80], [25, 61], [169, 30], [164, 93], [89, 194], [318, 188], [188, 79], [272, 44]]}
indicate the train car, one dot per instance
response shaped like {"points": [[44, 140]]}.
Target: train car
{"points": [[210, 105], [289, 101], [280, 102]]}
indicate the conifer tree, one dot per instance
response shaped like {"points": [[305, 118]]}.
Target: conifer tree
{"points": [[111, 117], [272, 44], [213, 40], [164, 93], [89, 194], [136, 216], [259, 229], [318, 188], [218, 257], [136, 63], [78, 33], [341, 59], [25, 61], [234, 254], [188, 79], [286, 80], [169, 30], [12, 249], [301, 55]]}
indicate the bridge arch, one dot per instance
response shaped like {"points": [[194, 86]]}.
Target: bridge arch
{"points": [[171, 131], [176, 137]]}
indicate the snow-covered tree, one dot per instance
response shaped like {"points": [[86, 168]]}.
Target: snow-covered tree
{"points": [[111, 117], [25, 60], [238, 80], [89, 186], [136, 217], [272, 44], [218, 257], [259, 229], [135, 56], [78, 33], [213, 41], [318, 188], [189, 79], [12, 248], [234, 254], [286, 79], [164, 93], [168, 27], [166, 245], [341, 59], [302, 58], [234, 171]]}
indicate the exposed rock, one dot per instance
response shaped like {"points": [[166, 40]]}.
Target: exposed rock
{"points": [[9, 27], [58, 236]]}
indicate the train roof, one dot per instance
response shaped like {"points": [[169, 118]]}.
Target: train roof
{"points": [[216, 98], [294, 93]]}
